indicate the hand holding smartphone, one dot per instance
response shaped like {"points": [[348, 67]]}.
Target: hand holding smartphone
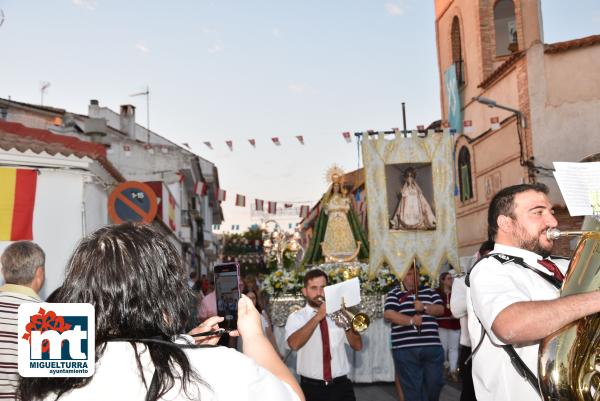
{"points": [[227, 291]]}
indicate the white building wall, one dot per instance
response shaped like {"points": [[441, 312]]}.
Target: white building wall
{"points": [[565, 108], [96, 206]]}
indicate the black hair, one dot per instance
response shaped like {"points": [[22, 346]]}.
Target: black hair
{"points": [[314, 273], [503, 204], [486, 247], [134, 278], [246, 291]]}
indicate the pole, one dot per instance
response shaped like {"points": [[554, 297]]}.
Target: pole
{"points": [[403, 120], [416, 276], [148, 114]]}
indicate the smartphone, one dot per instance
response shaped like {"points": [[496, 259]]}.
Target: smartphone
{"points": [[227, 291]]}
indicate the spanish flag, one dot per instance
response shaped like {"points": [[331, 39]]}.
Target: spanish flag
{"points": [[17, 199]]}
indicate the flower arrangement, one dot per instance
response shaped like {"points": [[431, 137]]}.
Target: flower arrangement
{"points": [[283, 282], [290, 282]]}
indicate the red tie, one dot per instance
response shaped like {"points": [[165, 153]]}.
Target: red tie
{"points": [[326, 350], [548, 264]]}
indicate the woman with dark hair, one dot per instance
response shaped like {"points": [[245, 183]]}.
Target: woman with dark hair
{"points": [[449, 326], [134, 278], [264, 319]]}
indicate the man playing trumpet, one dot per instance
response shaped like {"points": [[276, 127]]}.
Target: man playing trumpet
{"points": [[514, 295], [321, 358]]}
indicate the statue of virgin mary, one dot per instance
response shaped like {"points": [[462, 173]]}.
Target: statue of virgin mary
{"points": [[338, 235]]}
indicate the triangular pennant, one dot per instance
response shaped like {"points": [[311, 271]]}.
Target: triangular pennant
{"points": [[276, 141], [495, 122], [252, 142], [300, 139], [208, 145], [467, 126], [240, 200], [347, 137], [200, 188], [229, 145], [259, 205]]}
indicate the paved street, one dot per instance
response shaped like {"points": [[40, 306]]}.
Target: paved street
{"points": [[386, 392]]}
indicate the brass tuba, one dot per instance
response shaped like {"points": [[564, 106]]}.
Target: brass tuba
{"points": [[569, 360], [346, 319]]}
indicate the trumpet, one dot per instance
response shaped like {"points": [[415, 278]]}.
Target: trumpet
{"points": [[346, 319], [555, 233]]}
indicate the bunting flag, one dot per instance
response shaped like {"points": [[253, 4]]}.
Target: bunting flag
{"points": [[127, 150], [467, 126], [347, 137], [229, 145], [288, 205], [304, 209], [240, 200], [200, 188], [252, 142], [276, 141], [495, 122], [272, 208], [172, 205], [300, 139], [208, 145], [17, 201], [149, 148], [259, 205], [221, 195]]}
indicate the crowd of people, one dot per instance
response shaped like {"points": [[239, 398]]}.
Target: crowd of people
{"points": [[486, 326]]}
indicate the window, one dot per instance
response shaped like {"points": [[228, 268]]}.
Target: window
{"points": [[464, 174], [505, 27], [457, 58]]}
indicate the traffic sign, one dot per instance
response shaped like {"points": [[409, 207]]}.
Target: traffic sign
{"points": [[132, 201]]}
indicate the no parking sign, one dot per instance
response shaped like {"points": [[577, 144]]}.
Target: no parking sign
{"points": [[132, 201]]}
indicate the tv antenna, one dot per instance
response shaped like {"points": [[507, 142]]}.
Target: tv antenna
{"points": [[147, 94], [44, 85]]}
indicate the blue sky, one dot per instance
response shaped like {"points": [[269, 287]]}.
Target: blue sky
{"points": [[240, 69]]}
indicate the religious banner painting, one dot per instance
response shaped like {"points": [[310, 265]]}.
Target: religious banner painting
{"points": [[410, 196]]}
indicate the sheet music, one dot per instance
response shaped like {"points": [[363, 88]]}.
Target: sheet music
{"points": [[349, 290], [579, 184]]}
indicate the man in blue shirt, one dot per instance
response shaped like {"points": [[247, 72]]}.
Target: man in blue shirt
{"points": [[416, 347]]}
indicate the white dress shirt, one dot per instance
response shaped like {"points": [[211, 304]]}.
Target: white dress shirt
{"points": [[458, 307], [493, 287], [309, 361]]}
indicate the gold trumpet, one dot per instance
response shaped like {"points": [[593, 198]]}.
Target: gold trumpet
{"points": [[346, 319], [555, 233], [569, 360]]}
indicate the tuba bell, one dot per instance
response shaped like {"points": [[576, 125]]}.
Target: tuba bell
{"points": [[569, 359], [347, 319]]}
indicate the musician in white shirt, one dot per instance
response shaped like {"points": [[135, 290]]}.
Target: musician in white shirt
{"points": [[321, 378]]}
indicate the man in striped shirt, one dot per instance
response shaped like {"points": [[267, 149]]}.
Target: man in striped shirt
{"points": [[23, 270], [416, 348]]}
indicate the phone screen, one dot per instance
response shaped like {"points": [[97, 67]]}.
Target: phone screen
{"points": [[227, 278]]}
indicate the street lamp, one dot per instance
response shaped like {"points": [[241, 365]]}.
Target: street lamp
{"points": [[492, 103], [276, 242], [521, 123]]}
